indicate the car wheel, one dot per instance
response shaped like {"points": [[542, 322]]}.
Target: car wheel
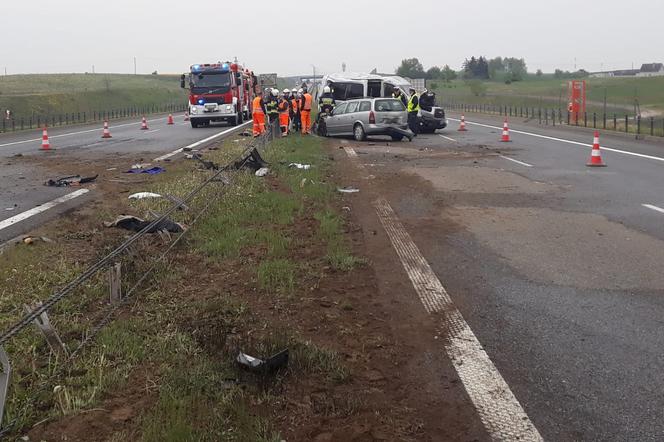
{"points": [[397, 137], [358, 133]]}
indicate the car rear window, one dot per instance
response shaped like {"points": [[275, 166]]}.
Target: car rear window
{"points": [[365, 106], [352, 107], [389, 105]]}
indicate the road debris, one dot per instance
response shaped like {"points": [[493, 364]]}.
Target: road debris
{"points": [[347, 189], [138, 166], [209, 165], [300, 166], [73, 180], [263, 171], [271, 364], [252, 161], [136, 224], [143, 195], [151, 171]]}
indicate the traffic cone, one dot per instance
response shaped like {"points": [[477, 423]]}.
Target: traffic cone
{"points": [[170, 120], [462, 124], [186, 116], [506, 133], [144, 124], [107, 133], [46, 145], [595, 154]]}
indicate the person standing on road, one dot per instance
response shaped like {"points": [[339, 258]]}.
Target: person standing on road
{"points": [[258, 114], [284, 109], [413, 110], [295, 111], [305, 111]]}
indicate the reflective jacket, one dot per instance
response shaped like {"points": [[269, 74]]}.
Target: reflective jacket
{"points": [[306, 102], [272, 107], [414, 104], [283, 106], [258, 106]]}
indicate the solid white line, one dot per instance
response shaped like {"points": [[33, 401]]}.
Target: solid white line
{"points": [[655, 208], [515, 161], [77, 133], [198, 143], [576, 143], [43, 208], [152, 131], [447, 138], [498, 409]]}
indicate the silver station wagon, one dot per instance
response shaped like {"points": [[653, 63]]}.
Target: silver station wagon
{"points": [[368, 117]]}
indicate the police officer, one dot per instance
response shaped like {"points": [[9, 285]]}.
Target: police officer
{"points": [[399, 96], [413, 110]]}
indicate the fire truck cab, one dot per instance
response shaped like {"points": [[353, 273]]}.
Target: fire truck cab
{"points": [[219, 92]]}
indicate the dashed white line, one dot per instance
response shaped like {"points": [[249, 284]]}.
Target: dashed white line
{"points": [[151, 131], [562, 140], [43, 208], [198, 143], [655, 208], [75, 133], [515, 161], [447, 138], [498, 409]]}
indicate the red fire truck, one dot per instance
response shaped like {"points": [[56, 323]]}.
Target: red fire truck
{"points": [[219, 92]]}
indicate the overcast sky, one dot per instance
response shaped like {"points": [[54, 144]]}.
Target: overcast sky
{"points": [[38, 36]]}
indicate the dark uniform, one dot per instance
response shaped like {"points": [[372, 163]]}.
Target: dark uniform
{"points": [[272, 107], [413, 109]]}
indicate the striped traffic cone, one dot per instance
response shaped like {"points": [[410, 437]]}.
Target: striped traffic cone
{"points": [[186, 116], [462, 124], [144, 124], [46, 144], [595, 154], [506, 133], [170, 120], [107, 132]]}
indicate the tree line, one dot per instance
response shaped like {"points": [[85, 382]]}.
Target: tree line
{"points": [[507, 69]]}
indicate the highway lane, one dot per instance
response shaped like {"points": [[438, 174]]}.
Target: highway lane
{"points": [[556, 267], [21, 184]]}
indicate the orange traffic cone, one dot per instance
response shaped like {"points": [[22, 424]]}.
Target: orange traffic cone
{"points": [[170, 119], [107, 133], [46, 145], [595, 154], [506, 133], [186, 116], [462, 124], [144, 124]]}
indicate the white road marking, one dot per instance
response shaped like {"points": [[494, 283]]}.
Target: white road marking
{"points": [[576, 143], [498, 409], [354, 157], [515, 161], [655, 208], [198, 143], [448, 138], [75, 133], [152, 131], [43, 208]]}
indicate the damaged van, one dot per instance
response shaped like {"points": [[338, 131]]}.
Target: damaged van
{"points": [[350, 86]]}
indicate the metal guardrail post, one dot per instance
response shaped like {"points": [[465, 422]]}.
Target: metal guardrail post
{"points": [[43, 324], [638, 126], [594, 121], [626, 124], [4, 381], [115, 282], [615, 122]]}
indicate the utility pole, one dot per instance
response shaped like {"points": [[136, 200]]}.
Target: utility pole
{"points": [[134, 65], [93, 69]]}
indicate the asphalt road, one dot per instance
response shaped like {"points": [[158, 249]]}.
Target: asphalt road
{"points": [[556, 267], [22, 184]]}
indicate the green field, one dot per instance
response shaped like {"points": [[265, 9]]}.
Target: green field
{"points": [[50, 94], [552, 93]]}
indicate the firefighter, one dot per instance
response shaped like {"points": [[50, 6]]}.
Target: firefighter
{"points": [[305, 111], [295, 111], [259, 111], [271, 106], [326, 101], [413, 110], [399, 96], [284, 112]]}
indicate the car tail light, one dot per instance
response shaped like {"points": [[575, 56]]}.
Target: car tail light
{"points": [[372, 118]]}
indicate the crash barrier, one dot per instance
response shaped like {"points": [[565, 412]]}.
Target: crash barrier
{"points": [[631, 124], [118, 270], [37, 121]]}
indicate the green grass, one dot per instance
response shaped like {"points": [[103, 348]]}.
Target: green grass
{"points": [[277, 274], [45, 94], [552, 93]]}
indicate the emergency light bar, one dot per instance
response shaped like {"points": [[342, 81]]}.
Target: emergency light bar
{"points": [[217, 67]]}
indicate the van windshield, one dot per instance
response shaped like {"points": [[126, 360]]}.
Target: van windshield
{"points": [[389, 105]]}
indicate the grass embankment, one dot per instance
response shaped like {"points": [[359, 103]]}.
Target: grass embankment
{"points": [[52, 94], [552, 93], [164, 370]]}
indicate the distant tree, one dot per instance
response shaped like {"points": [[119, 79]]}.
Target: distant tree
{"points": [[448, 74], [516, 67], [558, 73], [155, 73], [539, 73], [411, 68], [433, 85], [476, 68], [434, 73], [496, 67]]}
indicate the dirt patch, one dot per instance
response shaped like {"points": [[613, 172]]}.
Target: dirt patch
{"points": [[543, 244]]}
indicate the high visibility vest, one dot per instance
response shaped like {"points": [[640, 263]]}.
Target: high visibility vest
{"points": [[327, 101], [411, 106], [283, 106], [307, 102], [272, 107], [295, 105], [256, 108]]}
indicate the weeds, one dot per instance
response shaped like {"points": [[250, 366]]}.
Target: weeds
{"points": [[277, 274]]}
